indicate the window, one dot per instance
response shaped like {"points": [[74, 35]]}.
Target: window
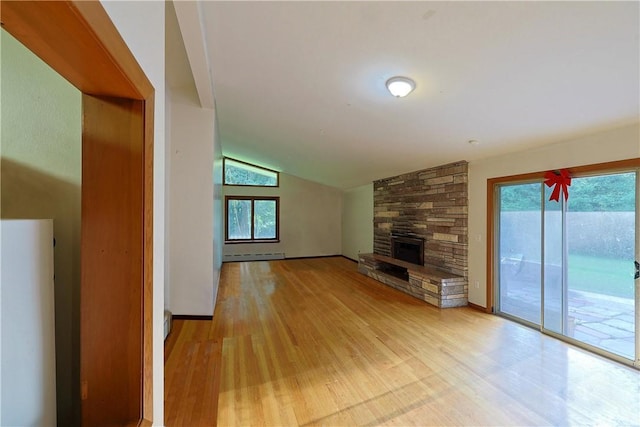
{"points": [[241, 173], [252, 219]]}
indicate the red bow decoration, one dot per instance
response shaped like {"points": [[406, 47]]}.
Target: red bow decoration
{"points": [[561, 181]]}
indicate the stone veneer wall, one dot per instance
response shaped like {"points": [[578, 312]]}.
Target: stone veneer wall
{"points": [[433, 205]]}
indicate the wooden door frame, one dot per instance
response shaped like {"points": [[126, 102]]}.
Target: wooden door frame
{"points": [[78, 40], [614, 166]]}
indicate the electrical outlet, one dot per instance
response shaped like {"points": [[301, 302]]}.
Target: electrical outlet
{"points": [[476, 284]]}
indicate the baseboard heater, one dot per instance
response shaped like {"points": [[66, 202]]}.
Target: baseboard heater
{"points": [[253, 257]]}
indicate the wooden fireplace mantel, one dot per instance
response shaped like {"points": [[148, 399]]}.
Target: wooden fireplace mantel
{"points": [[437, 287]]}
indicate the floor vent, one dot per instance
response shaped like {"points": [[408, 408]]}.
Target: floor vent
{"points": [[253, 257]]}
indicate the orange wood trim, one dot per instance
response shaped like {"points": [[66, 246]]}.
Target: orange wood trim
{"points": [[115, 48], [490, 239], [574, 170], [112, 256], [89, 53], [607, 166], [147, 302], [619, 165], [477, 307]]}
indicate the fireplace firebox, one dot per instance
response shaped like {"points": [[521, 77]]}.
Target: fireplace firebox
{"points": [[407, 248]]}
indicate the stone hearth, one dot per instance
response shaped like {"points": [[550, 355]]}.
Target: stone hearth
{"points": [[443, 290]]}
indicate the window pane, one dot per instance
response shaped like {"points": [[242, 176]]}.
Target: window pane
{"points": [[238, 173], [239, 219], [265, 219], [554, 263]]}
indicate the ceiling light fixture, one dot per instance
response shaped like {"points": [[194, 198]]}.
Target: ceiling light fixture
{"points": [[400, 86]]}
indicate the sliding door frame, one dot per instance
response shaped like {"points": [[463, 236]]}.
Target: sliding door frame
{"points": [[492, 227]]}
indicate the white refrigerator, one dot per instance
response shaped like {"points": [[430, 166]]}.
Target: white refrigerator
{"points": [[27, 344]]}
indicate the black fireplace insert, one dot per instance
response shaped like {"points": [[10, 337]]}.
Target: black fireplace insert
{"points": [[407, 248]]}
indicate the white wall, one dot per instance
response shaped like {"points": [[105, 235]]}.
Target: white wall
{"points": [[218, 212], [618, 144], [191, 238], [41, 149], [141, 25], [357, 221], [167, 196], [310, 219], [193, 257], [27, 357]]}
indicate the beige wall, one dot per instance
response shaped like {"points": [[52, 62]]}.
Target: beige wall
{"points": [[310, 219], [618, 144], [357, 221], [40, 177]]}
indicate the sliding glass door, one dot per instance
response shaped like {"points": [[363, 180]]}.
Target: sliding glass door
{"points": [[568, 267]]}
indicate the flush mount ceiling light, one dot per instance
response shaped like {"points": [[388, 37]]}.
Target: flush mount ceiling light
{"points": [[400, 86]]}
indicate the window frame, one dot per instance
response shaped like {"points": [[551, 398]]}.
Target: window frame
{"points": [[253, 199], [224, 175]]}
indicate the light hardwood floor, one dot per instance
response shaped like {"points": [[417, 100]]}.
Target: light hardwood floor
{"points": [[313, 342]]}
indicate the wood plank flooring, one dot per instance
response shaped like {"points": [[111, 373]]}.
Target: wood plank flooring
{"points": [[312, 342]]}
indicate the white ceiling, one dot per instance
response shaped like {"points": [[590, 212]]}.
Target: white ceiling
{"points": [[299, 86]]}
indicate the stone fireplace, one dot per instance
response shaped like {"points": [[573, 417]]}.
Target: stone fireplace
{"points": [[429, 206]]}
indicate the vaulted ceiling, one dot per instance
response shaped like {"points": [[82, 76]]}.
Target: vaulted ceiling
{"points": [[300, 86]]}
